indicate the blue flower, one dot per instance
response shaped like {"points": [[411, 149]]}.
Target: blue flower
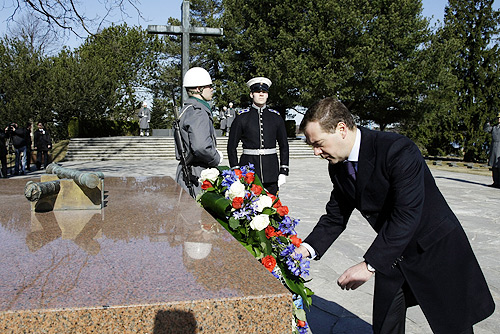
{"points": [[303, 330], [247, 169], [287, 251], [304, 267], [229, 177], [298, 303], [287, 225]]}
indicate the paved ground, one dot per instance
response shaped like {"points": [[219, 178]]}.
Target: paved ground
{"points": [[306, 193]]}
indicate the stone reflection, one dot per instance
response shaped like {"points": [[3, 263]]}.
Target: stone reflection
{"points": [[81, 226]]}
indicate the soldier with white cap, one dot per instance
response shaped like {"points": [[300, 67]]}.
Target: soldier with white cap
{"points": [[259, 128], [196, 128]]}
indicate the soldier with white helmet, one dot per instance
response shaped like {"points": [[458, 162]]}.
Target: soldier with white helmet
{"points": [[196, 128], [259, 128]]}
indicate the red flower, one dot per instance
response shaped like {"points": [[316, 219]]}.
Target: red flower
{"points": [[270, 232], [277, 204], [206, 184], [249, 177], [296, 241], [282, 210], [301, 323], [269, 262], [238, 173], [237, 202], [257, 190]]}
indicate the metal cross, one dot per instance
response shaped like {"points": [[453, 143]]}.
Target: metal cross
{"points": [[185, 30]]}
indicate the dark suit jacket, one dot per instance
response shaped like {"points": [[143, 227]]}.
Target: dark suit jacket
{"points": [[419, 239]]}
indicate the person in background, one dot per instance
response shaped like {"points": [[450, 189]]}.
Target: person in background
{"points": [[144, 119], [43, 143], [259, 128], [19, 142], [29, 144], [223, 121], [494, 161], [230, 114], [197, 129], [421, 254], [3, 152]]}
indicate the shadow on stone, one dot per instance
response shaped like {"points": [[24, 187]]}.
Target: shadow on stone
{"points": [[460, 180], [175, 321], [326, 317]]}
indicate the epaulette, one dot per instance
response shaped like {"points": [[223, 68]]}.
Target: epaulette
{"points": [[242, 111], [274, 111]]}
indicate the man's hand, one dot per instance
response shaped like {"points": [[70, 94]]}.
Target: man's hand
{"points": [[354, 277], [302, 250]]}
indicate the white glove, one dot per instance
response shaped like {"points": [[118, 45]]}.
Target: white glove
{"points": [[281, 180], [221, 157]]}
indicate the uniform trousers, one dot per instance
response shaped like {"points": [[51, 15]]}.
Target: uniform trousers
{"points": [[271, 187]]}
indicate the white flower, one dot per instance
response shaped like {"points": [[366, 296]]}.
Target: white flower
{"points": [[263, 202], [237, 189], [210, 174], [259, 222]]}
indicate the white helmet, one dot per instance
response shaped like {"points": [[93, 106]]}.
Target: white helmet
{"points": [[196, 77]]}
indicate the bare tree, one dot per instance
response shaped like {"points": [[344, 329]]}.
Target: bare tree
{"points": [[68, 15], [35, 33]]}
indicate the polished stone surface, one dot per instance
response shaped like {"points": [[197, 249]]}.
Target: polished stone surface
{"points": [[151, 261]]}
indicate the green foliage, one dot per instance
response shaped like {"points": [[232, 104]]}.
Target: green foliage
{"points": [[74, 128], [462, 81], [291, 128], [102, 128]]}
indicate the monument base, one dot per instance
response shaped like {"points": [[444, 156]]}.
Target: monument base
{"points": [[151, 261]]}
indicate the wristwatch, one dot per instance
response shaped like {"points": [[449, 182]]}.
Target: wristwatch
{"points": [[369, 267]]}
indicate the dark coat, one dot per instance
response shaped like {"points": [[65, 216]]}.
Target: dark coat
{"points": [[258, 130], [19, 137], [3, 148], [419, 239], [42, 140]]}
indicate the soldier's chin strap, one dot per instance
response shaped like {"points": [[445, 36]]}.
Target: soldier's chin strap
{"points": [[200, 92]]}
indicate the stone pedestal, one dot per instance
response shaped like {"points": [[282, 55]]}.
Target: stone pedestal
{"points": [[150, 261]]}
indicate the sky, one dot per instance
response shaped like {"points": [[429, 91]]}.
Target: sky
{"points": [[158, 12]]}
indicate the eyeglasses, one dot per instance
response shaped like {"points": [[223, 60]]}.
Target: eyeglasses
{"points": [[208, 86]]}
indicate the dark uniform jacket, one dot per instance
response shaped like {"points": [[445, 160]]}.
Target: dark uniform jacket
{"points": [[198, 137], [419, 239], [259, 129]]}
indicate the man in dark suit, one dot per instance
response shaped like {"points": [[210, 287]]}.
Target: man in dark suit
{"points": [[421, 255]]}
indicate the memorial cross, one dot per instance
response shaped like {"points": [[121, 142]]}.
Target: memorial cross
{"points": [[185, 30]]}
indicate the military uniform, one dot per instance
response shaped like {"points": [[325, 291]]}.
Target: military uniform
{"points": [[259, 129], [198, 137], [494, 160]]}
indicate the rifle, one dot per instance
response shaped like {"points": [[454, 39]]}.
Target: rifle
{"points": [[186, 170]]}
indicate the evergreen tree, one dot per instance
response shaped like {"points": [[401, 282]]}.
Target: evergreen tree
{"points": [[470, 27]]}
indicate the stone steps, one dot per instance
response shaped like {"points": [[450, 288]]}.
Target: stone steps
{"points": [[151, 148]]}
